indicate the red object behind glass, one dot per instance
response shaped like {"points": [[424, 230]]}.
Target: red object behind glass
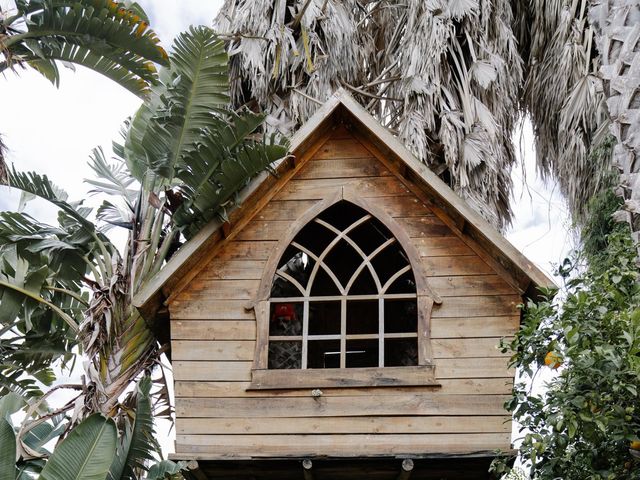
{"points": [[284, 311]]}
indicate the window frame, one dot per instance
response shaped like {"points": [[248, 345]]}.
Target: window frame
{"points": [[421, 374]]}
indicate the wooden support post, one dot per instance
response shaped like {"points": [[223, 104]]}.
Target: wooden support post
{"points": [[194, 470], [406, 469], [307, 465]]}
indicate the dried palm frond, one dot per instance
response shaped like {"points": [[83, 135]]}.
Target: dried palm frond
{"points": [[564, 97], [444, 76]]}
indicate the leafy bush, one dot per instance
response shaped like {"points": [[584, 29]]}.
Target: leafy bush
{"points": [[582, 425]]}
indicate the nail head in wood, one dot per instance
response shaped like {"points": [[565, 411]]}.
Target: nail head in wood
{"points": [[307, 465], [406, 469]]}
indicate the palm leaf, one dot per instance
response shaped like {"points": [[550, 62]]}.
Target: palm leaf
{"points": [[196, 87], [98, 34], [86, 453], [220, 167], [7, 450], [138, 444]]}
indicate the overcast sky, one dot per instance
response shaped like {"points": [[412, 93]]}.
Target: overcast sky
{"points": [[53, 131]]}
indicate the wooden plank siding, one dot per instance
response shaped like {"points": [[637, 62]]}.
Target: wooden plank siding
{"points": [[213, 332]]}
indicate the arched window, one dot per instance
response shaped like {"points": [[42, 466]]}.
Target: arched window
{"points": [[343, 296]]}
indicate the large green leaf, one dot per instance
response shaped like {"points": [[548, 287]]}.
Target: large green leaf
{"points": [[138, 444], [86, 453], [99, 34], [225, 160], [197, 85], [7, 451]]}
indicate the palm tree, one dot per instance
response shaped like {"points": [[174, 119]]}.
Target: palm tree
{"points": [[105, 36], [184, 155], [444, 76], [615, 23], [450, 78]]}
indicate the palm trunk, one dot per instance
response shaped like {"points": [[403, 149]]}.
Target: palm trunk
{"points": [[119, 344], [617, 27]]}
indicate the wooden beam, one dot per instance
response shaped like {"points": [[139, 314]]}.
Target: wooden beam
{"points": [[406, 469], [194, 470], [307, 466]]}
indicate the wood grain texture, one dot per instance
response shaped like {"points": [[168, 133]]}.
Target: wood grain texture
{"points": [[341, 148], [318, 189], [221, 289], [456, 327], [339, 445], [198, 306], [441, 246], [335, 425], [332, 377], [424, 226], [470, 285], [213, 330], [429, 404], [456, 265], [234, 270], [479, 306], [290, 210], [237, 250], [464, 386], [213, 350], [240, 371], [343, 168]]}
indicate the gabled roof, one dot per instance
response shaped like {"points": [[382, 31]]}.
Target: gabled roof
{"points": [[495, 249]]}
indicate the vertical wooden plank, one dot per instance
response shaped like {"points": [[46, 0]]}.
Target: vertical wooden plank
{"points": [[425, 305], [261, 360]]}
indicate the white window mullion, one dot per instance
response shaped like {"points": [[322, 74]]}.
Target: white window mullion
{"points": [[305, 333], [343, 333], [381, 332]]}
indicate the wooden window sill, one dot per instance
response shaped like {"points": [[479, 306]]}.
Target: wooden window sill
{"points": [[420, 375]]}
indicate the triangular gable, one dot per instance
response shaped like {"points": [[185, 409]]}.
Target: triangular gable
{"points": [[464, 221]]}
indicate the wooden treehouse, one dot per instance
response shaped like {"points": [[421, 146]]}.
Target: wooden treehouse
{"points": [[344, 322]]}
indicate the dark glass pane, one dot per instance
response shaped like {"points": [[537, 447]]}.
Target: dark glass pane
{"points": [[285, 319], [363, 284], [343, 260], [362, 353], [324, 318], [297, 264], [362, 316], [370, 235], [389, 261], [284, 288], [400, 316], [404, 284], [315, 237], [400, 352], [323, 284], [285, 355], [323, 354], [342, 214]]}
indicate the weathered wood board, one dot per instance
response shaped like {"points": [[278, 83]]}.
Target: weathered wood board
{"points": [[214, 336]]}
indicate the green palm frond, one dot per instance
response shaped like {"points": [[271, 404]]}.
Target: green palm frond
{"points": [[221, 166], [99, 34], [171, 126], [138, 444]]}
